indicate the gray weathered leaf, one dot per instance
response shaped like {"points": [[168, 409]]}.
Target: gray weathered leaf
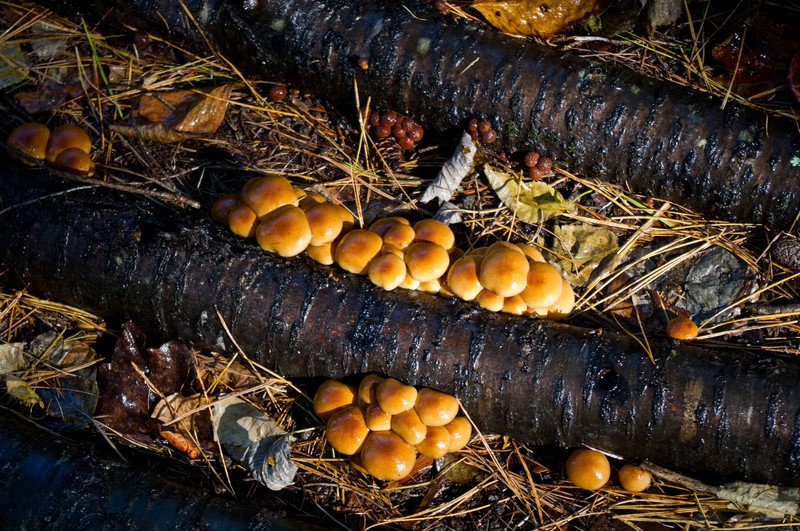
{"points": [[453, 172], [12, 357]]}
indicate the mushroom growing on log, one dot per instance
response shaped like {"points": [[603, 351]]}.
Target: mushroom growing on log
{"points": [[598, 119], [721, 413]]}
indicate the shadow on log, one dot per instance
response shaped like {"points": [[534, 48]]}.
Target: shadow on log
{"points": [[599, 119], [726, 414]]}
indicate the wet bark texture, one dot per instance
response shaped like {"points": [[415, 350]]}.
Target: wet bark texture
{"points": [[57, 484], [597, 119], [726, 414]]}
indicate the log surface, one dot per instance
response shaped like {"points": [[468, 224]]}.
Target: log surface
{"points": [[721, 414]]}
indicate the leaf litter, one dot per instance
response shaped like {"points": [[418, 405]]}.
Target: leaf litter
{"points": [[638, 260]]}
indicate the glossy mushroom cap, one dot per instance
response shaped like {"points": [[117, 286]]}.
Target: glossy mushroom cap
{"points": [[332, 396], [367, 389], [325, 222], [462, 277], [348, 221], [427, 261], [634, 479], [408, 426], [382, 226], [242, 221], [323, 254], [284, 231], [76, 161], [356, 250], [436, 442], [460, 431], [222, 206], [30, 138], [377, 419], [386, 456], [504, 271], [387, 271], [394, 397], [265, 194], [682, 328], [64, 137], [588, 469], [531, 252], [400, 235], [514, 305], [543, 287], [435, 408], [430, 230], [564, 304], [346, 430], [489, 300]]}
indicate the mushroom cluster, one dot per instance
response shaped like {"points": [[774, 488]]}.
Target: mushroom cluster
{"points": [[537, 165], [384, 423], [67, 147], [404, 129], [393, 253], [481, 131], [589, 469]]}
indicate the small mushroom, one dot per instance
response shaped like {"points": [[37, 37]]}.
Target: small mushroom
{"points": [[367, 389], [266, 194], [75, 160], [387, 271], [460, 431], [377, 419], [489, 300], [430, 230], [222, 206], [427, 261], [386, 456], [504, 271], [400, 235], [682, 328], [356, 249], [325, 222], [408, 426], [435, 408], [394, 397], [634, 479], [544, 285], [346, 430], [382, 226], [436, 443], [323, 254], [564, 304], [284, 231], [64, 137], [514, 305], [242, 221], [30, 138], [588, 469], [332, 396]]}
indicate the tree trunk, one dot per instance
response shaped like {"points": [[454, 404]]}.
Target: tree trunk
{"points": [[727, 413], [597, 119]]}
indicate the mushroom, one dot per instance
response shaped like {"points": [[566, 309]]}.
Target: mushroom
{"points": [[634, 479], [410, 283], [436, 443], [323, 254], [346, 430], [588, 469], [348, 221], [284, 231], [266, 194], [31, 139], [242, 221], [377, 419], [332, 396], [223, 205], [489, 300], [66, 136], [531, 252], [408, 426], [682, 328], [400, 235], [386, 456], [544, 285], [382, 226], [462, 277], [75, 160], [460, 431], [564, 304], [514, 305], [356, 249], [367, 389], [435, 408], [325, 222], [430, 230], [394, 397], [427, 261], [387, 271], [504, 270]]}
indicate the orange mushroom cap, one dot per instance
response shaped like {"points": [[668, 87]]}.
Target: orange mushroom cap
{"points": [[682, 328], [284, 231], [325, 222], [634, 479], [386, 456], [564, 304], [588, 469], [332, 396], [346, 430], [266, 194], [377, 419], [394, 396], [462, 277], [367, 389], [460, 433], [430, 230], [427, 261], [323, 254], [435, 408], [408, 426], [64, 137], [504, 271], [514, 305], [387, 271], [382, 226], [75, 160], [399, 235], [544, 285], [30, 138], [356, 249], [436, 443], [242, 221], [489, 300], [531, 252], [223, 205]]}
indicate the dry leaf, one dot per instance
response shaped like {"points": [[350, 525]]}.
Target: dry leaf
{"points": [[453, 171], [176, 406], [532, 202], [12, 357], [181, 443], [20, 390], [534, 17]]}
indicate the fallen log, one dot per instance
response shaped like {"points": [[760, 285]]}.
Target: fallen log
{"points": [[597, 119], [725, 414]]}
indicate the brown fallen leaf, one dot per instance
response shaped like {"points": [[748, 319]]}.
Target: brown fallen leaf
{"points": [[181, 443], [537, 18]]}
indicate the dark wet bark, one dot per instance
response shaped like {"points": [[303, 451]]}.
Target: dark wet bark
{"points": [[727, 414], [598, 119], [48, 482]]}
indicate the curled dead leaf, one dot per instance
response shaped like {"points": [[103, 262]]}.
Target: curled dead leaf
{"points": [[532, 202]]}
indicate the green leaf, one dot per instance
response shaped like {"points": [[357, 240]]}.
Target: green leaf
{"points": [[532, 202]]}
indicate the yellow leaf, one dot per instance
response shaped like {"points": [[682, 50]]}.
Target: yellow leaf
{"points": [[532, 202], [20, 390], [538, 18]]}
